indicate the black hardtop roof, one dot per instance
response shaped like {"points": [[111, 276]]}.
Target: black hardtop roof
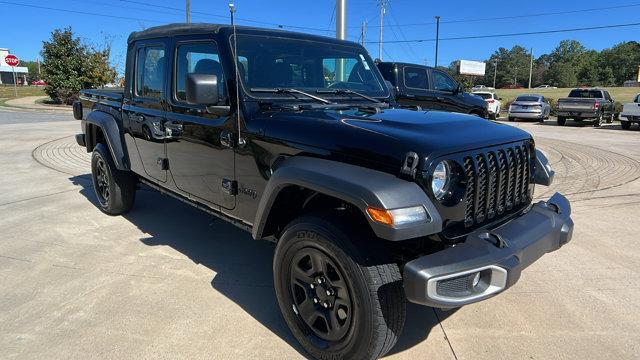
{"points": [[200, 28], [407, 64]]}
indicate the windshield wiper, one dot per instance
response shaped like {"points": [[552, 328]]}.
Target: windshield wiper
{"points": [[349, 92], [290, 91]]}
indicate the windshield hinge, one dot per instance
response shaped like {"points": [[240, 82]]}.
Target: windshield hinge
{"points": [[410, 165]]}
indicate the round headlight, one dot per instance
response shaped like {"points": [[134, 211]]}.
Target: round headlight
{"points": [[440, 180]]}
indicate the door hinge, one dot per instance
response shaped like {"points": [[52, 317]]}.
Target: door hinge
{"points": [[163, 163], [230, 187]]}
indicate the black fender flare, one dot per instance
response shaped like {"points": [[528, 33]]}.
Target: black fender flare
{"points": [[112, 134], [359, 186]]}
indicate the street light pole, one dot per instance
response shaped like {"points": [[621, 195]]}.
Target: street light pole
{"points": [[495, 72], [188, 8], [380, 38], [437, 38]]}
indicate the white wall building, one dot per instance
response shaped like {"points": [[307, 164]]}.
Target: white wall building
{"points": [[6, 71]]}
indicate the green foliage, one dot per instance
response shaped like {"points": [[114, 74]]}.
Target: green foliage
{"points": [[569, 64], [68, 66]]}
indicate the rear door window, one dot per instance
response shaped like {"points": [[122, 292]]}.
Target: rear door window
{"points": [[416, 78], [150, 72]]}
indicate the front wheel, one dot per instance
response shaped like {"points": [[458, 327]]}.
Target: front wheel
{"points": [[561, 121], [626, 125], [114, 189], [338, 302]]}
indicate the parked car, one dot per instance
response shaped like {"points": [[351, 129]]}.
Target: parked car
{"points": [[428, 88], [38, 83], [529, 106], [586, 104], [542, 87], [630, 113], [369, 205], [481, 88], [493, 102]]}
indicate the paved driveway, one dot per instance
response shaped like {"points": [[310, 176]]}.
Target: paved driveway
{"points": [[168, 281]]}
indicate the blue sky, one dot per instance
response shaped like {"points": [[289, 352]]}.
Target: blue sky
{"points": [[29, 26]]}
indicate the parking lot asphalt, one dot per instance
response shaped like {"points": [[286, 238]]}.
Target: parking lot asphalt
{"points": [[168, 281]]}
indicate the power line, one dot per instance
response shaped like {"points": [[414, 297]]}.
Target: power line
{"points": [[80, 12], [516, 34], [509, 17]]}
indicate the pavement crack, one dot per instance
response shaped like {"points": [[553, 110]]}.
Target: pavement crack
{"points": [[446, 337], [14, 258], [38, 197]]}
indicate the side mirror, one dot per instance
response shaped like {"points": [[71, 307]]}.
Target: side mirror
{"points": [[201, 89], [500, 99]]}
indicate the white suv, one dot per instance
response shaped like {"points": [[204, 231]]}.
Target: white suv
{"points": [[493, 102]]}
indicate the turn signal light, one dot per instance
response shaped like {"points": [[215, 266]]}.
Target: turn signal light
{"points": [[381, 216]]}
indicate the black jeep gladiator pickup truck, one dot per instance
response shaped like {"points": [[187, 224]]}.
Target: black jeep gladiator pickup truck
{"points": [[428, 88], [297, 139]]}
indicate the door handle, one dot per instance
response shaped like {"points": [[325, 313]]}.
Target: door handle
{"points": [[439, 98]]}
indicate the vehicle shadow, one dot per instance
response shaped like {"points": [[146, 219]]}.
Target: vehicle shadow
{"points": [[243, 266]]}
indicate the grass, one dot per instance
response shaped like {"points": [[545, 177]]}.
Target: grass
{"points": [[620, 94], [6, 91]]}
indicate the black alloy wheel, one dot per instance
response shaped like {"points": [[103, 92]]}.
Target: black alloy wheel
{"points": [[320, 294], [102, 182]]}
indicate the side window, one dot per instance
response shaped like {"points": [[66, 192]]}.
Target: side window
{"points": [[637, 100], [442, 82], [416, 78], [150, 71], [197, 58]]}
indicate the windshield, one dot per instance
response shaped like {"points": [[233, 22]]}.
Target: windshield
{"points": [[528, 98], [311, 66], [484, 95], [586, 94]]}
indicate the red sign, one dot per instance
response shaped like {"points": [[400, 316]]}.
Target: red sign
{"points": [[12, 60]]}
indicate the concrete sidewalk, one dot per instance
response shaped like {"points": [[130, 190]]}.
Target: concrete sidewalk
{"points": [[32, 103]]}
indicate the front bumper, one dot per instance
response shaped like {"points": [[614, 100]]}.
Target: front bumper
{"points": [[489, 261]]}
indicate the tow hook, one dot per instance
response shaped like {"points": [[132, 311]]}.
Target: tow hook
{"points": [[495, 239]]}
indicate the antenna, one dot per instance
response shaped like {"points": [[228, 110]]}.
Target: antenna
{"points": [[232, 10]]}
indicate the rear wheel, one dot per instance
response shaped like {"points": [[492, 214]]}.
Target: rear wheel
{"points": [[610, 118], [114, 189], [338, 302], [598, 120], [512, 119], [561, 121], [626, 125]]}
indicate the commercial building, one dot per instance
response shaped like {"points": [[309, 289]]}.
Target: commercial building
{"points": [[6, 71]]}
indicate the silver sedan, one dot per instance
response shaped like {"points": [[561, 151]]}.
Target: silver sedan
{"points": [[529, 106]]}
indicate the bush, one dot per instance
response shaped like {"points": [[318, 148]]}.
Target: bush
{"points": [[69, 66]]}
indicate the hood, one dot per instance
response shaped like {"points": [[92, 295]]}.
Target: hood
{"points": [[386, 137]]}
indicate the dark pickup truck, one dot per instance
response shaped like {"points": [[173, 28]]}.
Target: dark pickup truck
{"points": [[297, 140], [428, 88], [584, 104]]}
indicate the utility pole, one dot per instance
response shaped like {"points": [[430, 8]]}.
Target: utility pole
{"points": [[531, 68], [495, 72], [188, 11], [341, 34], [38, 61], [382, 3], [437, 38], [363, 32]]}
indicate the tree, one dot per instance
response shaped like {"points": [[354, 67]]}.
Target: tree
{"points": [[562, 75], [513, 65], [623, 59], [68, 66]]}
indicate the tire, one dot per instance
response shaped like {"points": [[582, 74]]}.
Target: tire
{"points": [[610, 118], [561, 121], [512, 119], [493, 116], [146, 133], [626, 125], [367, 302], [598, 120], [114, 189], [541, 120]]}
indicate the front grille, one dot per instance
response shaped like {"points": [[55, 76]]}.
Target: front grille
{"points": [[497, 182]]}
